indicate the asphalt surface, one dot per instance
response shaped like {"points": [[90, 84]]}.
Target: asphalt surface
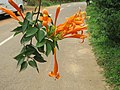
{"points": [[77, 64]]}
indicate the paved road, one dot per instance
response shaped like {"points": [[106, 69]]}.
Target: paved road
{"points": [[78, 68]]}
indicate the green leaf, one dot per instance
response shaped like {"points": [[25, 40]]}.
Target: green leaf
{"points": [[40, 35], [41, 14], [26, 39], [33, 64], [48, 48], [23, 66], [18, 29], [16, 33], [39, 58], [41, 49], [23, 50], [52, 45], [30, 50], [20, 61], [21, 23], [44, 29], [40, 25], [29, 16], [31, 31], [25, 25], [56, 44], [18, 57], [40, 44]]}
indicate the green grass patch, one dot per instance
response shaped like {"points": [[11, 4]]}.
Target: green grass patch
{"points": [[106, 51]]}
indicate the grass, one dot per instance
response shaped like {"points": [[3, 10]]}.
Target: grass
{"points": [[49, 3], [106, 51]]}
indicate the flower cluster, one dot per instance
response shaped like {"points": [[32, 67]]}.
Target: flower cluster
{"points": [[73, 27]]}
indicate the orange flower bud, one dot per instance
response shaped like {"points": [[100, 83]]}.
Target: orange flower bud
{"points": [[45, 11]]}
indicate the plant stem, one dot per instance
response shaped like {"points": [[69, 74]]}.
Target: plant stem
{"points": [[39, 1], [38, 11]]}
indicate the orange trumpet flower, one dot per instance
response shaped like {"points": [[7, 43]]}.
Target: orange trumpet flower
{"points": [[76, 36], [55, 72], [57, 13], [10, 13], [45, 19], [69, 29], [78, 28], [72, 26], [16, 7], [79, 36]]}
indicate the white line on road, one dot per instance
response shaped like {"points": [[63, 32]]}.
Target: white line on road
{"points": [[61, 9], [68, 5], [6, 40]]}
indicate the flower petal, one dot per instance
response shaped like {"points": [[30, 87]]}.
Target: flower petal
{"points": [[51, 74], [45, 11], [57, 13], [10, 13], [16, 7]]}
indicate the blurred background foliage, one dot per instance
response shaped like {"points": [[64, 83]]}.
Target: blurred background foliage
{"points": [[49, 2]]}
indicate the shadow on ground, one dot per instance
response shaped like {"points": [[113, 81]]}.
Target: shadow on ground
{"points": [[3, 17]]}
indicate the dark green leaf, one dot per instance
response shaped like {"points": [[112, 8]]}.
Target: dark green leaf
{"points": [[29, 16], [44, 29], [30, 50], [56, 44], [31, 31], [23, 50], [40, 44], [20, 61], [48, 48], [41, 49], [37, 70], [21, 23], [26, 39], [39, 58], [18, 29], [18, 57], [16, 33], [52, 45], [23, 66], [40, 35], [51, 30], [41, 14], [25, 25], [40, 25], [33, 64]]}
